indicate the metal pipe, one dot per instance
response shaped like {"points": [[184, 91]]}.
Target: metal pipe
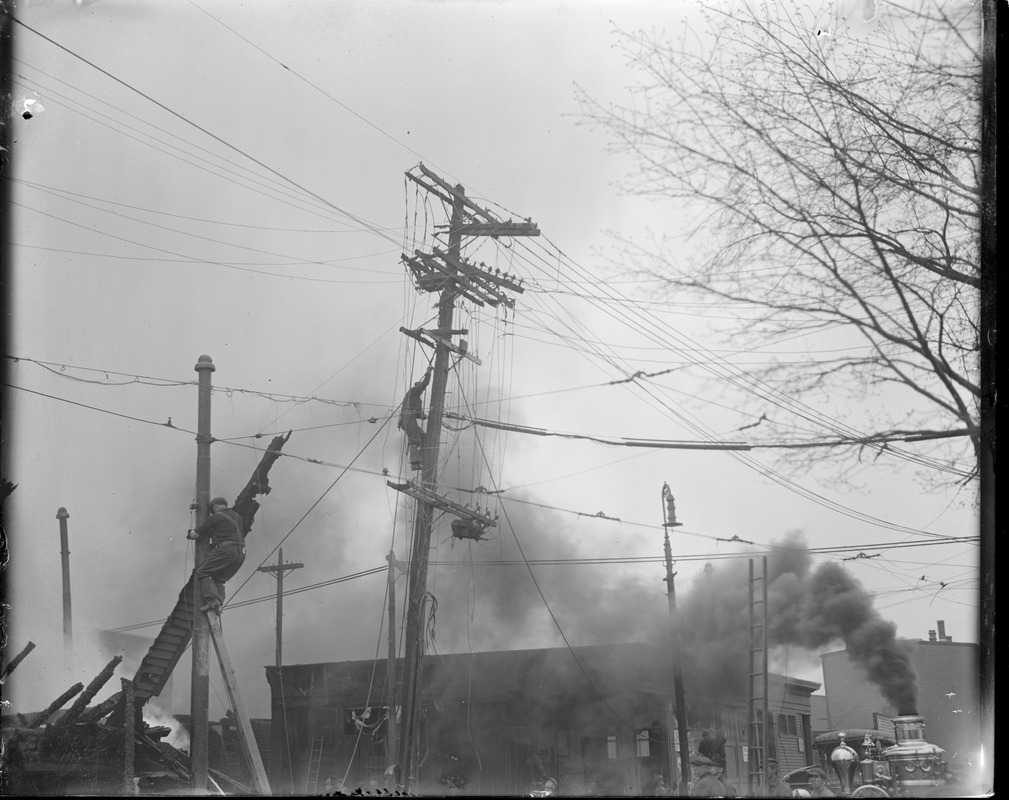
{"points": [[68, 626]]}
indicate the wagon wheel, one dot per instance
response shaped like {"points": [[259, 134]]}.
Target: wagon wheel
{"points": [[870, 790]]}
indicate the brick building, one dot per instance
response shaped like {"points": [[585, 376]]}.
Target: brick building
{"points": [[948, 694]]}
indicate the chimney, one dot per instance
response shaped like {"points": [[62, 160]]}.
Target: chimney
{"points": [[931, 636], [941, 627]]}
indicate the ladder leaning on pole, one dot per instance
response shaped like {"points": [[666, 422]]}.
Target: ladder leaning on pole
{"points": [[245, 735], [757, 711]]}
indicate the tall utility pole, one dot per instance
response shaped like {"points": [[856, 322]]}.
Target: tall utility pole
{"points": [[669, 521], [448, 274], [68, 627], [278, 726], [200, 687], [279, 570], [391, 725]]}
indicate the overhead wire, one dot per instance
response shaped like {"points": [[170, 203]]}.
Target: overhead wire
{"points": [[377, 230]]}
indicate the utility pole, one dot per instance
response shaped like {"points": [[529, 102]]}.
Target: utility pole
{"points": [[669, 521], [278, 726], [391, 725], [279, 570], [200, 686], [68, 627], [451, 276]]}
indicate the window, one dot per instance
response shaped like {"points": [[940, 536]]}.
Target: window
{"points": [[643, 749], [787, 725], [611, 746]]}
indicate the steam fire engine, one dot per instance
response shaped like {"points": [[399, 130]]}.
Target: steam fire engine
{"points": [[908, 767]]}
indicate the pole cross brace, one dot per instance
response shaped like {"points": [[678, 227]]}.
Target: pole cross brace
{"points": [[442, 502], [431, 337]]}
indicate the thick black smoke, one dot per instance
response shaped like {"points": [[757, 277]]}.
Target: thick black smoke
{"points": [[807, 608]]}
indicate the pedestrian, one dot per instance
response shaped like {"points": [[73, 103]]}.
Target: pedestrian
{"points": [[411, 411], [818, 783], [719, 773], [707, 746], [776, 787], [224, 531], [705, 784]]}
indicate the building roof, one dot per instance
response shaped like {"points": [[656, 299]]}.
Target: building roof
{"points": [[540, 673]]}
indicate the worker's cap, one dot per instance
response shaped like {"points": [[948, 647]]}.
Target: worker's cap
{"points": [[702, 761], [218, 501], [821, 773], [771, 761], [718, 761]]}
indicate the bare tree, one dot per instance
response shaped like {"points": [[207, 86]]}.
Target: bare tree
{"points": [[833, 173]]}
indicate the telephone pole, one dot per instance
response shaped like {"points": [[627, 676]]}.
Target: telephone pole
{"points": [[279, 570], [669, 521], [200, 687], [451, 276], [278, 728]]}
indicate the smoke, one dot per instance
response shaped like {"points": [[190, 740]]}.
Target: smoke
{"points": [[807, 608], [155, 716]]}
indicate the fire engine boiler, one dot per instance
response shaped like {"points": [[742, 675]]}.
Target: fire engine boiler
{"points": [[912, 767]]}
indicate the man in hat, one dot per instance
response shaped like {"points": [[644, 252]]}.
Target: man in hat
{"points": [[224, 530], [776, 787], [705, 783], [718, 772], [818, 783], [707, 747]]}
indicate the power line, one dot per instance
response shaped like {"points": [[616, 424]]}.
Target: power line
{"points": [[373, 228]]}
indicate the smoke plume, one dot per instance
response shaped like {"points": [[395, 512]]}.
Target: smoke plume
{"points": [[807, 608]]}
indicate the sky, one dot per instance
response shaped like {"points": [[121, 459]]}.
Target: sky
{"points": [[228, 179]]}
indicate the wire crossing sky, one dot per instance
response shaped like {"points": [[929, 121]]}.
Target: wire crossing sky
{"points": [[189, 179]]}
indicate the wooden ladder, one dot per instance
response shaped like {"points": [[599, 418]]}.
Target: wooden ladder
{"points": [[245, 735], [314, 761]]}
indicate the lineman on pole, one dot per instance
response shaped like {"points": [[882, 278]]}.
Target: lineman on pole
{"points": [[225, 531], [411, 411]]}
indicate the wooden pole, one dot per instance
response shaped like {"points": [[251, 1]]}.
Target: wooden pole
{"points": [[11, 665], [392, 726], [279, 570], [278, 724], [420, 555], [200, 687], [669, 521], [81, 703], [56, 705], [129, 731], [246, 736]]}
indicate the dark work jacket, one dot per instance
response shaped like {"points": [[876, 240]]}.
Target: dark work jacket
{"points": [[224, 526]]}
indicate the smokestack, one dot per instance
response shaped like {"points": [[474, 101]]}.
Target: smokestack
{"points": [[68, 630], [941, 627], [931, 636]]}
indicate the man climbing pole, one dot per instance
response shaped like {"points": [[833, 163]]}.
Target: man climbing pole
{"points": [[225, 533], [411, 411]]}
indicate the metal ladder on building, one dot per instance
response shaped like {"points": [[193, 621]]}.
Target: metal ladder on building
{"points": [[757, 708], [314, 761]]}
